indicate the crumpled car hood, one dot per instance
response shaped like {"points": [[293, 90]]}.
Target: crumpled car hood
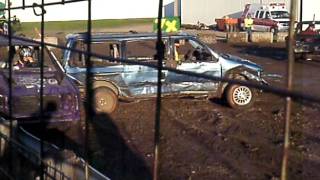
{"points": [[239, 61]]}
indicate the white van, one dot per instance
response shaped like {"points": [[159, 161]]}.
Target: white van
{"points": [[268, 17]]}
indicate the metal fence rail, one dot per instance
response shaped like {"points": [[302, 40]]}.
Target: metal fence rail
{"points": [[50, 172], [285, 92], [26, 145]]}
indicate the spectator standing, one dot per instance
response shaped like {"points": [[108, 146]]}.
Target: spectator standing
{"points": [[248, 22]]}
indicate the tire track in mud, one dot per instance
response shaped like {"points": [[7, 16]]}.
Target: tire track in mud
{"points": [[200, 137], [237, 139]]}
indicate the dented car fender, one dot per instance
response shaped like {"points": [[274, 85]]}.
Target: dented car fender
{"points": [[243, 72]]}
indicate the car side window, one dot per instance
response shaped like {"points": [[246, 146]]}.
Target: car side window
{"points": [[261, 14], [268, 15], [188, 50], [109, 49], [257, 14], [78, 59], [142, 50]]}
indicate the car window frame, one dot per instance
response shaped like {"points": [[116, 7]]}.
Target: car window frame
{"points": [[167, 55], [207, 49]]}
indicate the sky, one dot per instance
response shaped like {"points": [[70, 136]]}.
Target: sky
{"points": [[102, 9]]}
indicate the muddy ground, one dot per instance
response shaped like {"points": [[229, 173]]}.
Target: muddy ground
{"points": [[203, 139]]}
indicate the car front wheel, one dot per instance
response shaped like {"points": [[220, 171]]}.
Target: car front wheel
{"points": [[239, 96], [105, 100]]}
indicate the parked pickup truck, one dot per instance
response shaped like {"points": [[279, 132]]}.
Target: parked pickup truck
{"points": [[271, 17], [116, 80], [60, 96], [307, 35]]}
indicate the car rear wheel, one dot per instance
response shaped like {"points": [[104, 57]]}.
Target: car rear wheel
{"points": [[105, 100], [239, 96]]}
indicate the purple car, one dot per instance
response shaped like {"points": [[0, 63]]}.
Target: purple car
{"points": [[60, 96]]}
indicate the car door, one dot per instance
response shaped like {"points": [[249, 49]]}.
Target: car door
{"points": [[141, 80], [194, 57]]}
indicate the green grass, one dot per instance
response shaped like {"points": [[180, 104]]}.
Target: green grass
{"points": [[72, 26]]}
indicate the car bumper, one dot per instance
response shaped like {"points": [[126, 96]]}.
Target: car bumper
{"points": [[307, 49]]}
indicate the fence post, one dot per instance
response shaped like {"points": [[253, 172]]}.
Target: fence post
{"points": [[290, 70]]}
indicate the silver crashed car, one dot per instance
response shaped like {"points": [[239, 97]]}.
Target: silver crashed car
{"points": [[114, 80]]}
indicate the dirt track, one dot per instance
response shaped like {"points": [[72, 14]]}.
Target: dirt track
{"points": [[202, 139]]}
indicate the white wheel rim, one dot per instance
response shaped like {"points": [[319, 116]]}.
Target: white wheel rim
{"points": [[100, 103], [103, 102], [242, 95]]}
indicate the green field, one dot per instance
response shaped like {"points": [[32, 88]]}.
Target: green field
{"points": [[76, 26]]}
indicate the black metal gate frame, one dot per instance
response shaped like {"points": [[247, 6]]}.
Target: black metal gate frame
{"points": [[284, 92]]}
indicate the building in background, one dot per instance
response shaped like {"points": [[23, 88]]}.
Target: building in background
{"points": [[206, 11]]}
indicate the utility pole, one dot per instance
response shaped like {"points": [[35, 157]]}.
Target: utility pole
{"points": [[301, 10]]}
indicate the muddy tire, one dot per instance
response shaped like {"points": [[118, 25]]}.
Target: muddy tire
{"points": [[105, 100], [238, 96]]}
